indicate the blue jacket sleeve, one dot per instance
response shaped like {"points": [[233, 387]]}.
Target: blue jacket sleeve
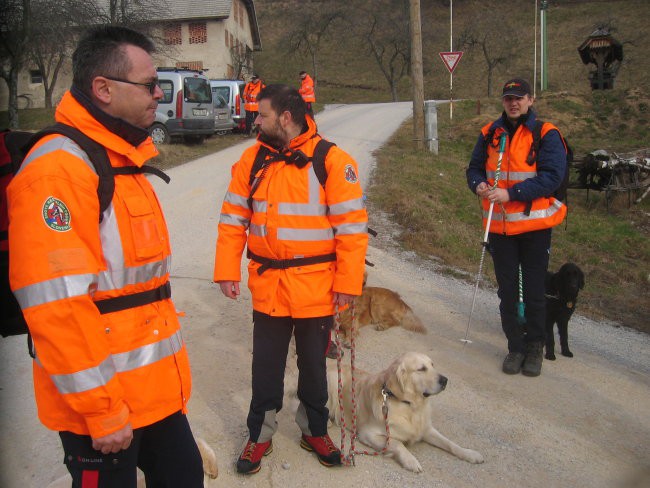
{"points": [[551, 165], [475, 172]]}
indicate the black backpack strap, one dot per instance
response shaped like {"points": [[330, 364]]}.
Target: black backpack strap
{"points": [[260, 163], [134, 170], [537, 140], [318, 160]]}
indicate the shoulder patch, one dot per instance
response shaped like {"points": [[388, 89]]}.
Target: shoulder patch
{"points": [[56, 215], [350, 174]]}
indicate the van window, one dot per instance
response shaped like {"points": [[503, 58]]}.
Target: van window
{"points": [[197, 90], [167, 86], [221, 91]]}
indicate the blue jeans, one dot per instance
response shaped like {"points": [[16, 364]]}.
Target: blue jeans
{"points": [[531, 250]]}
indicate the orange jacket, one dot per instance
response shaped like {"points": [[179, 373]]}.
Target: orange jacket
{"points": [[94, 373], [293, 216], [516, 217], [251, 91], [307, 89]]}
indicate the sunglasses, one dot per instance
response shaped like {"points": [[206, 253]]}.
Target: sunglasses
{"points": [[151, 86]]}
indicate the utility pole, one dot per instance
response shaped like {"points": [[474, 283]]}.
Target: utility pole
{"points": [[544, 46], [417, 74]]}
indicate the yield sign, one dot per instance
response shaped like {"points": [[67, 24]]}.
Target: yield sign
{"points": [[451, 59]]}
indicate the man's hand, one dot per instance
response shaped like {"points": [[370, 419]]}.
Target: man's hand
{"points": [[114, 442], [342, 299], [230, 288]]}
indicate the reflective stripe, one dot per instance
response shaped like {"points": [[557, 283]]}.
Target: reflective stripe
{"points": [[236, 200], [259, 206], [257, 230], [97, 376], [285, 234], [302, 209], [346, 207], [347, 229], [521, 216], [56, 289], [512, 175], [233, 219], [109, 235], [117, 279], [57, 143]]}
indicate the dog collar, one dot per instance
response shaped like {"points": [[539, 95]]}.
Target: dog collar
{"points": [[386, 393]]}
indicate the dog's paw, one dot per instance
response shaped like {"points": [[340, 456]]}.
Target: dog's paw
{"points": [[472, 456], [568, 354], [550, 356], [412, 464]]}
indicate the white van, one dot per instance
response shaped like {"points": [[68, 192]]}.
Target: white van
{"points": [[233, 92], [186, 108]]}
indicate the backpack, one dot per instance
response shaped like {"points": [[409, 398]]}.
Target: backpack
{"points": [[561, 192], [14, 146], [263, 161]]}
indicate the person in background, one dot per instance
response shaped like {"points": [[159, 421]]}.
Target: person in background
{"points": [[251, 91], [524, 214], [111, 373], [307, 92], [307, 246]]}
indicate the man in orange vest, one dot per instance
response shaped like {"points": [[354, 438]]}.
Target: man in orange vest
{"points": [[251, 91], [307, 91], [307, 245], [111, 372], [524, 213]]}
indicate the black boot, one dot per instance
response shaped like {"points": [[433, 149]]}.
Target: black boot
{"points": [[533, 363]]}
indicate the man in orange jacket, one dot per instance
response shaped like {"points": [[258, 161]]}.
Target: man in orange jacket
{"points": [[111, 372], [251, 91], [520, 188], [307, 244], [307, 91]]}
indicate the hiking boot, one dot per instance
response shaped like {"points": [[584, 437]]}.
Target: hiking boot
{"points": [[328, 454], [250, 459], [533, 363], [512, 363]]}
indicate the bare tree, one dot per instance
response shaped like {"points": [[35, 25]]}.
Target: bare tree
{"points": [[242, 59], [385, 30], [15, 30], [491, 34]]}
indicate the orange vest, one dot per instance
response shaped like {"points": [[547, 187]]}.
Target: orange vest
{"points": [[513, 217], [93, 372], [292, 216], [307, 89], [251, 91]]}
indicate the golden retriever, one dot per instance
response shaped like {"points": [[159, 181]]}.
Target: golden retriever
{"points": [[408, 383], [379, 306]]}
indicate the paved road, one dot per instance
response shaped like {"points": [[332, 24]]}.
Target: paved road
{"points": [[584, 423]]}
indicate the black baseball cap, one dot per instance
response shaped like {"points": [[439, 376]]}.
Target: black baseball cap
{"points": [[517, 87]]}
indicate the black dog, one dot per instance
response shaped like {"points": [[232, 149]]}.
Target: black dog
{"points": [[562, 290]]}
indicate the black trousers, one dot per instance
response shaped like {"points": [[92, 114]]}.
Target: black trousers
{"points": [[531, 250], [165, 452], [250, 120], [271, 337]]}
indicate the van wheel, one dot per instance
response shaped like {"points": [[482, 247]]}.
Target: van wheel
{"points": [[159, 134]]}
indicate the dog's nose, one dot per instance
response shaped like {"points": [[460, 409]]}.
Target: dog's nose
{"points": [[442, 381]]}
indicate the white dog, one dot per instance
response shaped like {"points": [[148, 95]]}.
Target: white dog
{"points": [[407, 383]]}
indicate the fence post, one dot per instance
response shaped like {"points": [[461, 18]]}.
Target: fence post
{"points": [[431, 125]]}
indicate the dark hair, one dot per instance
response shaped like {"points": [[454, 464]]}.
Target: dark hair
{"points": [[285, 98], [302, 73], [100, 52]]}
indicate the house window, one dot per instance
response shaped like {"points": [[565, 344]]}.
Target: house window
{"points": [[198, 33], [195, 65], [172, 34], [35, 76]]}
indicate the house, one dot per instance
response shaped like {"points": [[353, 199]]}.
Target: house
{"points": [[217, 36]]}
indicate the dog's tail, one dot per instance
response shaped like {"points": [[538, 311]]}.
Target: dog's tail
{"points": [[208, 457], [411, 322]]}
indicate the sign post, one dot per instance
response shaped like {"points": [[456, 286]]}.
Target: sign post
{"points": [[451, 60]]}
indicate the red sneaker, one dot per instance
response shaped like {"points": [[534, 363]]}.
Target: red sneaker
{"points": [[251, 457], [328, 454]]}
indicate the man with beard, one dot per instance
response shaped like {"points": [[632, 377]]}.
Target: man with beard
{"points": [[307, 245]]}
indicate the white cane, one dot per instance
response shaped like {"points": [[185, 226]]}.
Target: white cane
{"points": [[502, 149]]}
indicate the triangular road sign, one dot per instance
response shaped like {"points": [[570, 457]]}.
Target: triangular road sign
{"points": [[451, 59]]}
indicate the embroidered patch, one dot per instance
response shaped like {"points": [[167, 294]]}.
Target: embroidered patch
{"points": [[350, 174], [56, 215]]}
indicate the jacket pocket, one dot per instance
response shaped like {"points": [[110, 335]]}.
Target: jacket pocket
{"points": [[145, 232]]}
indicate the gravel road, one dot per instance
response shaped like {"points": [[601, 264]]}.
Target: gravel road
{"points": [[585, 422]]}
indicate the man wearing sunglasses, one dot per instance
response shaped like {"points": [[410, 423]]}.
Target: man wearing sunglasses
{"points": [[111, 372]]}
